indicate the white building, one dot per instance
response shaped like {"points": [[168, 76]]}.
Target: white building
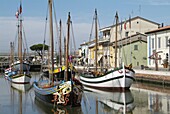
{"points": [[157, 41]]}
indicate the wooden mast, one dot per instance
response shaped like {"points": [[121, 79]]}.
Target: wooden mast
{"points": [[60, 44], [116, 16], [67, 45], [64, 50], [96, 41], [51, 40], [20, 41], [12, 53]]}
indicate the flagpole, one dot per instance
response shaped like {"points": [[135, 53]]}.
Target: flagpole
{"points": [[121, 47], [130, 39]]}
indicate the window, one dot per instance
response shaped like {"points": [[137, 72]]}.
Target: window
{"points": [[126, 34], [166, 41], [137, 63], [105, 34], [159, 42], [152, 43], [159, 59], [135, 47]]}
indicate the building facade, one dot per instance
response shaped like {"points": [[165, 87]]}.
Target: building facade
{"points": [[135, 27], [157, 43]]}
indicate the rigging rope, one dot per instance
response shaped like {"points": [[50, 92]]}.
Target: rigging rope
{"points": [[45, 30], [56, 23], [73, 38], [25, 41]]}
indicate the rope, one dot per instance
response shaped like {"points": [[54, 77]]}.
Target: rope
{"points": [[25, 41], [56, 23], [90, 39], [73, 38], [45, 30], [44, 37]]}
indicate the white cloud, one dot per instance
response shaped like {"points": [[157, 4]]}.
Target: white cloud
{"points": [[152, 2], [34, 29]]}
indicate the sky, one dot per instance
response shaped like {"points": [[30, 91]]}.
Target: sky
{"points": [[82, 11]]}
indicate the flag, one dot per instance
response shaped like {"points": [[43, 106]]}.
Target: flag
{"points": [[129, 21], [20, 9], [17, 14], [125, 24]]}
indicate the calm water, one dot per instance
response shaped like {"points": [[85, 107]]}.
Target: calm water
{"points": [[141, 99]]}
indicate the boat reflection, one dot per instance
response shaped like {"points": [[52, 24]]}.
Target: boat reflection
{"points": [[18, 91], [111, 102], [21, 87], [157, 97], [43, 107]]}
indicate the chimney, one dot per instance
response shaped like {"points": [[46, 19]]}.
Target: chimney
{"points": [[162, 25]]}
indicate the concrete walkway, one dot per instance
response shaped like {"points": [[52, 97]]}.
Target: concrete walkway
{"points": [[152, 72]]}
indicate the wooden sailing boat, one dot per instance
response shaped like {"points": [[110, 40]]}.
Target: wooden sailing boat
{"points": [[19, 69], [117, 79], [50, 91]]}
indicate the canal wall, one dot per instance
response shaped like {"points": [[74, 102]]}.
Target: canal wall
{"points": [[154, 77]]}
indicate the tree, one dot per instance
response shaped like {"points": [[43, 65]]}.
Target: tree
{"points": [[38, 48]]}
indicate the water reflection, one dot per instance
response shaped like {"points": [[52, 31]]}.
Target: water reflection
{"points": [[18, 91], [156, 99], [141, 99], [110, 102], [49, 109]]}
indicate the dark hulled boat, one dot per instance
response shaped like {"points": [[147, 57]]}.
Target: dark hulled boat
{"points": [[67, 91]]}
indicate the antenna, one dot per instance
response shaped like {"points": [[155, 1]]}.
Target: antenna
{"points": [[139, 9]]}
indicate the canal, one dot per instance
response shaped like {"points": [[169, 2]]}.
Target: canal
{"points": [[140, 99]]}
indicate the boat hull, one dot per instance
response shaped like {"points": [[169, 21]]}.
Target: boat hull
{"points": [[19, 78], [116, 79], [25, 65], [62, 96]]}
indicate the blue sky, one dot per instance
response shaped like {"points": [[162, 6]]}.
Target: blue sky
{"points": [[82, 11]]}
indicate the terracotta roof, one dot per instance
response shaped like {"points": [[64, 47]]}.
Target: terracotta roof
{"points": [[159, 29]]}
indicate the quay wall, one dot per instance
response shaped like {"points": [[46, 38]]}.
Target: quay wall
{"points": [[154, 77]]}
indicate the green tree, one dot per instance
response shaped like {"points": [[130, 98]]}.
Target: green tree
{"points": [[38, 48]]}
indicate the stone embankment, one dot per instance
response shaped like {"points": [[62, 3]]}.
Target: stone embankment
{"points": [[151, 76]]}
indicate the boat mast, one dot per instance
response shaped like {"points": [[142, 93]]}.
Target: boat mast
{"points": [[60, 44], [51, 40], [116, 16], [20, 39], [64, 50], [67, 44], [12, 52], [96, 41]]}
